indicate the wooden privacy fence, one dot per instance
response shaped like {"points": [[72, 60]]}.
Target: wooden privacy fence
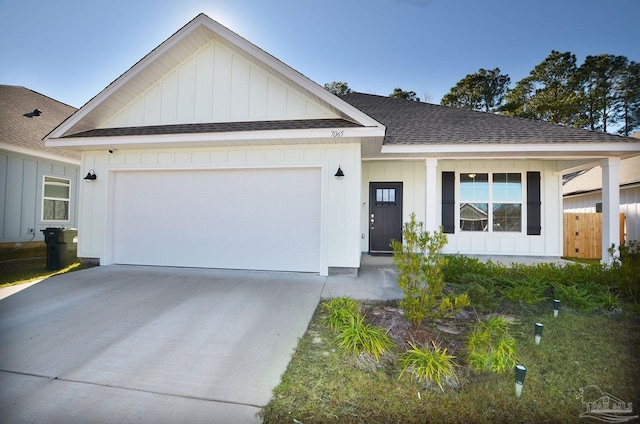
{"points": [[583, 234]]}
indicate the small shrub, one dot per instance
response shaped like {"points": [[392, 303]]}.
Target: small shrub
{"points": [[359, 337], [482, 291], [427, 365], [625, 270], [607, 301], [457, 268], [573, 296], [528, 290], [483, 297], [340, 309], [586, 297], [420, 262], [491, 347]]}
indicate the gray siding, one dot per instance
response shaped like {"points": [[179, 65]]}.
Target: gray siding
{"points": [[21, 179]]}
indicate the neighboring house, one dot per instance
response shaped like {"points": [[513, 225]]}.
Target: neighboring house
{"points": [[583, 193], [38, 184], [209, 152]]}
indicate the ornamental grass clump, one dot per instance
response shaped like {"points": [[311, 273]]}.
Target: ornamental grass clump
{"points": [[358, 337], [491, 347], [341, 310], [429, 365]]}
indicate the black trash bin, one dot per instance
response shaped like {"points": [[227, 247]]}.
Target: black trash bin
{"points": [[62, 247]]}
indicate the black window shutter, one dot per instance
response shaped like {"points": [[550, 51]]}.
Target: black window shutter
{"points": [[448, 202], [533, 204]]}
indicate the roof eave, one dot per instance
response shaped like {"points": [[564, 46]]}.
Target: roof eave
{"points": [[267, 137], [511, 151], [38, 154]]}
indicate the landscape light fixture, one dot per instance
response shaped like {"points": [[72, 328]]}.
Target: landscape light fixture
{"points": [[339, 174], [91, 176], [521, 372], [556, 307], [538, 335]]}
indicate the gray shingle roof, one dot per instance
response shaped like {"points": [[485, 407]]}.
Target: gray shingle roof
{"points": [[20, 127], [410, 122], [217, 127]]}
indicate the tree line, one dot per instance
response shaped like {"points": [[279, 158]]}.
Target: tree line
{"points": [[601, 94]]}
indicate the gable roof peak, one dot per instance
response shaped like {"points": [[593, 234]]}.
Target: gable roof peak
{"points": [[170, 53]]}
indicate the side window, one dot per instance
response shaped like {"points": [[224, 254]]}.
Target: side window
{"points": [[55, 199]]}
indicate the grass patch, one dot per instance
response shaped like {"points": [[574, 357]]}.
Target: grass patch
{"points": [[426, 365], [18, 266], [359, 337], [322, 385]]}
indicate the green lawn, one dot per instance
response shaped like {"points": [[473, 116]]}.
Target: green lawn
{"points": [[27, 264], [324, 385]]}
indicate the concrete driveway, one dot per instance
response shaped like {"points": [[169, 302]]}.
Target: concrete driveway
{"points": [[150, 345]]}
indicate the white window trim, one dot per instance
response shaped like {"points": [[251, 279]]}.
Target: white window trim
{"points": [[490, 202], [68, 200]]}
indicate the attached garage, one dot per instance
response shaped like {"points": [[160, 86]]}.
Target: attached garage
{"points": [[257, 219], [211, 153]]}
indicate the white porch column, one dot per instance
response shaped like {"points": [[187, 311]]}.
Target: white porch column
{"points": [[431, 194], [610, 206]]}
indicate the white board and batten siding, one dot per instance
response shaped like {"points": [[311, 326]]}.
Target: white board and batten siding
{"points": [[269, 207], [413, 176], [217, 84], [548, 243], [263, 208]]}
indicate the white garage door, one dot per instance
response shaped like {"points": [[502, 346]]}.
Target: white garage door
{"points": [[262, 219]]}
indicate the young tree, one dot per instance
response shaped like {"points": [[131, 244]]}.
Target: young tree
{"points": [[550, 92], [398, 93], [338, 88], [484, 91], [419, 260]]}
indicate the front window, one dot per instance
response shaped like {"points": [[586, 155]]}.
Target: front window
{"points": [[55, 199], [491, 202]]}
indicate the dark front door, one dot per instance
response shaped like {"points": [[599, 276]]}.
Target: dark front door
{"points": [[385, 216]]}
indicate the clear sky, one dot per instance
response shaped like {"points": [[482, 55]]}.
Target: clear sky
{"points": [[72, 49]]}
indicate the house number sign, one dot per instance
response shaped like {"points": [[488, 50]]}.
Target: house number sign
{"points": [[337, 134]]}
